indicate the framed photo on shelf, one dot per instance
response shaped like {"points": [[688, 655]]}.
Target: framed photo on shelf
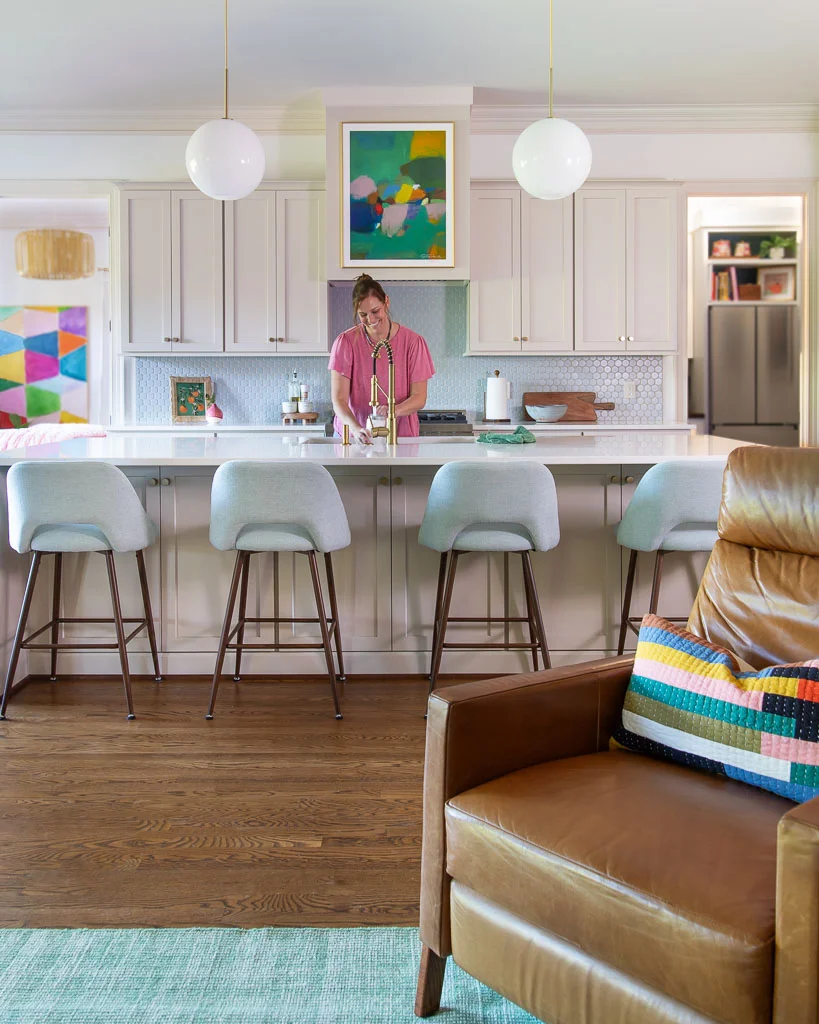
{"points": [[777, 284], [397, 194], [188, 398]]}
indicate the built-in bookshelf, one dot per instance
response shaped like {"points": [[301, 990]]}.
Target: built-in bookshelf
{"points": [[740, 269]]}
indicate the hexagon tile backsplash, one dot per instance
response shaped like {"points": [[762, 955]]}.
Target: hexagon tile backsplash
{"points": [[250, 389]]}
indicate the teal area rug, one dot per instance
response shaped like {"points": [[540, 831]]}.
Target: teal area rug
{"points": [[228, 976]]}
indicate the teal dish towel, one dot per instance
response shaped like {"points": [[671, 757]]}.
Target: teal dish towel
{"points": [[520, 436]]}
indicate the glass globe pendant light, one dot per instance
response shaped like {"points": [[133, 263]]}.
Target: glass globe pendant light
{"points": [[225, 159], [551, 158]]}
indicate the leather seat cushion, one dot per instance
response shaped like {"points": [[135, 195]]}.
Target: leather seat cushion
{"points": [[666, 874]]}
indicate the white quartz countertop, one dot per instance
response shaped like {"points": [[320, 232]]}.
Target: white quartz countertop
{"points": [[318, 428], [150, 449]]}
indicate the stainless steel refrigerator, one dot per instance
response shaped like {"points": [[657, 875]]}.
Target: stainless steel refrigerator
{"points": [[753, 374]]}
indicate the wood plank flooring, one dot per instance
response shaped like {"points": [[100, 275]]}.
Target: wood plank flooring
{"points": [[272, 814]]}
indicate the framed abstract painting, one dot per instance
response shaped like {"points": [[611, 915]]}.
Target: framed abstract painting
{"points": [[397, 194]]}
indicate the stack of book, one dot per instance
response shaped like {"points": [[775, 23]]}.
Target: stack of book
{"points": [[724, 286]]}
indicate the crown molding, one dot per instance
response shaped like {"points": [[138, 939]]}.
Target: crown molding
{"points": [[278, 120], [703, 118], [485, 119]]}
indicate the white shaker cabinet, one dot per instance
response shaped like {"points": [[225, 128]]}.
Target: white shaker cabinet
{"points": [[521, 273], [275, 289], [171, 271], [626, 270]]}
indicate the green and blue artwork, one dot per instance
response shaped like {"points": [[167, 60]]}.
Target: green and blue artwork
{"points": [[397, 194]]}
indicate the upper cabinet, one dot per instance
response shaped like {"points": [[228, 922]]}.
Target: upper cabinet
{"points": [[626, 270], [171, 271], [201, 276], [275, 290], [521, 273]]}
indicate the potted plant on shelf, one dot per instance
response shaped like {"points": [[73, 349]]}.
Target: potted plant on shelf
{"points": [[213, 414], [774, 248]]}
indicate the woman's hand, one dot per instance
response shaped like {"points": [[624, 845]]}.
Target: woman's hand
{"points": [[382, 410], [362, 435]]}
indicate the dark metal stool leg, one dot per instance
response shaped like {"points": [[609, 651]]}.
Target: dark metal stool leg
{"points": [[55, 613], [439, 598], [530, 583], [123, 653], [444, 618], [632, 566], [530, 613], [21, 629], [331, 588], [655, 584], [148, 613], [240, 636], [325, 632], [231, 602]]}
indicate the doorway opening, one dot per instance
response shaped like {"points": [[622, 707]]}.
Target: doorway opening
{"points": [[746, 316]]}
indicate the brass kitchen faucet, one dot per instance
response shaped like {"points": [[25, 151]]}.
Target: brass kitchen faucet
{"points": [[389, 431]]}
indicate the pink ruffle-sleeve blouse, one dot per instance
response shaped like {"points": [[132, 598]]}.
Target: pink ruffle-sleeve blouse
{"points": [[351, 356]]}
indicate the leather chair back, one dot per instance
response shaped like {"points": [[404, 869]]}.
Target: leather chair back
{"points": [[759, 595]]}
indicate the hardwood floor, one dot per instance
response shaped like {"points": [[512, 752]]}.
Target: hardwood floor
{"points": [[272, 814]]}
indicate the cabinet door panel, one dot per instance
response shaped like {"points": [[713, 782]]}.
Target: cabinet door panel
{"points": [[85, 591], [250, 273], [478, 584], [145, 258], [600, 270], [196, 271], [682, 572], [301, 282], [195, 576], [547, 275], [494, 286], [652, 273]]}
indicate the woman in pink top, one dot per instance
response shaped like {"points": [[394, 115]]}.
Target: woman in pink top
{"points": [[351, 365]]}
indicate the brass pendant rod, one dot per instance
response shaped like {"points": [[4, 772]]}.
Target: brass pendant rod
{"points": [[226, 59], [551, 67]]}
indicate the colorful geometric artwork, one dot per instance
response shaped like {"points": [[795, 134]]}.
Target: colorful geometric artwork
{"points": [[43, 365], [397, 195]]}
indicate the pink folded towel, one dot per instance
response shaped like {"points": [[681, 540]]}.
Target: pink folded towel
{"points": [[47, 433]]}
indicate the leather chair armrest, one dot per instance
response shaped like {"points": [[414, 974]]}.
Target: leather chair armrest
{"points": [[482, 730], [796, 988]]}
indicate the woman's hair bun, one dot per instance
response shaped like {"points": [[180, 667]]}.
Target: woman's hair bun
{"points": [[363, 277]]}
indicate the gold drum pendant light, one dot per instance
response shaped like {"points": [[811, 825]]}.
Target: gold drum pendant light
{"points": [[50, 254]]}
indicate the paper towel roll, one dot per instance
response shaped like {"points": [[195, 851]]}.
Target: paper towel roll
{"points": [[497, 398]]}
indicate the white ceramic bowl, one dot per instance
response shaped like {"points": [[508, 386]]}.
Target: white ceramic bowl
{"points": [[290, 406], [546, 413], [305, 407]]}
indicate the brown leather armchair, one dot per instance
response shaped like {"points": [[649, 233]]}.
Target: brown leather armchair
{"points": [[597, 886]]}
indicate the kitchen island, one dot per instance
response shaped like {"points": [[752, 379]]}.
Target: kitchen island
{"points": [[386, 581]]}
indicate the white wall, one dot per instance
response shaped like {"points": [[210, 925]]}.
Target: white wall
{"points": [[92, 292], [161, 157]]}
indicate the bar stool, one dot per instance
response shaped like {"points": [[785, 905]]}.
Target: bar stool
{"points": [[274, 507], [62, 507], [475, 506], [674, 508]]}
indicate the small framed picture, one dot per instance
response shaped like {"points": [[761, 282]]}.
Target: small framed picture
{"points": [[777, 284], [188, 398], [397, 194]]}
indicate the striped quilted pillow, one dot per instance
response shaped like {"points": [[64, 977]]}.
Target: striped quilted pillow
{"points": [[689, 702]]}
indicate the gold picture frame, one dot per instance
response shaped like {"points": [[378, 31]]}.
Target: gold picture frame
{"points": [[188, 398], [407, 170]]}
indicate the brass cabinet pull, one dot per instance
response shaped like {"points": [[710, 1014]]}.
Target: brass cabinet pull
{"points": [[398, 480], [153, 482], [629, 479], [166, 481], [383, 481], [630, 338], [524, 338], [272, 341], [615, 479], [280, 339], [516, 338], [622, 337], [175, 341]]}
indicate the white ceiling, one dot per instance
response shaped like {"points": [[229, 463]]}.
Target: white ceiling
{"points": [[151, 55]]}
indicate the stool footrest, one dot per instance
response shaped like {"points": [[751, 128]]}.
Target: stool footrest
{"points": [[27, 644], [521, 646], [485, 618]]}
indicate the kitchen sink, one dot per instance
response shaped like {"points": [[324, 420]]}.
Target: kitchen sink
{"points": [[460, 439]]}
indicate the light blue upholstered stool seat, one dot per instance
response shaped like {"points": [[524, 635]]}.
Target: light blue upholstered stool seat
{"points": [[477, 506], [674, 508], [63, 507], [274, 507]]}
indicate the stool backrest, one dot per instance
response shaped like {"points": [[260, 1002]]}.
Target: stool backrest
{"points": [[465, 494], [759, 595], [247, 493], [670, 494], [47, 493]]}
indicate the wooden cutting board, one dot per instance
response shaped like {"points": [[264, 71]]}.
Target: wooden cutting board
{"points": [[582, 407]]}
